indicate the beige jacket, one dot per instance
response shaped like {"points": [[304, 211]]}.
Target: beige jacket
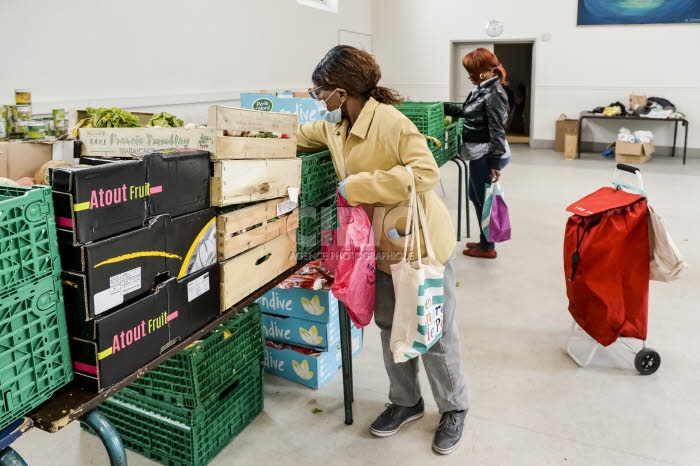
{"points": [[372, 159]]}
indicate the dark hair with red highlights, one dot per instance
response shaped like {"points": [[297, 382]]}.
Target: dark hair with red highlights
{"points": [[355, 71], [482, 61]]}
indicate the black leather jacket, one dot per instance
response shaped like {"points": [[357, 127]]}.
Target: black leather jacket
{"points": [[485, 113]]}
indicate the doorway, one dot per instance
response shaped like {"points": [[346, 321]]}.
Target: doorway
{"points": [[518, 59]]}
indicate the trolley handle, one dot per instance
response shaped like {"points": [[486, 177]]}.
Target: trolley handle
{"points": [[634, 171], [627, 168]]}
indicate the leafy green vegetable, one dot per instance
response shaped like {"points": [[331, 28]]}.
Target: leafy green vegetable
{"points": [[165, 120], [107, 118]]}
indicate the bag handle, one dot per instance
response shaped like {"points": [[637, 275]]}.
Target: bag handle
{"points": [[411, 221], [420, 219]]}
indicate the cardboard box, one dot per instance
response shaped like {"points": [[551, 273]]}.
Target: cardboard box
{"points": [[127, 339], [314, 305], [105, 196], [120, 142], [96, 202], [563, 127], [3, 163], [628, 152], [301, 332], [244, 181], [184, 175], [24, 158], [248, 272], [245, 228], [637, 101], [313, 370], [301, 105], [103, 275]]}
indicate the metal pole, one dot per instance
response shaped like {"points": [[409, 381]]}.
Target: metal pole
{"points": [[459, 198], [466, 196], [346, 354], [675, 133], [109, 436]]}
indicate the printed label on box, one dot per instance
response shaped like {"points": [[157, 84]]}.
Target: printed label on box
{"points": [[198, 287], [129, 281], [285, 207], [119, 285], [107, 299]]}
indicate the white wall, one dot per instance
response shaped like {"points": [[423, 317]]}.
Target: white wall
{"points": [[580, 68], [150, 54]]}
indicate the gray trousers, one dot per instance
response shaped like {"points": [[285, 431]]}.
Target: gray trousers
{"points": [[443, 362]]}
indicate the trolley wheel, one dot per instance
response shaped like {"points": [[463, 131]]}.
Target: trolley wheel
{"points": [[647, 361]]}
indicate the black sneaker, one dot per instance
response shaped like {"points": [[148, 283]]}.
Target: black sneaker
{"points": [[449, 432], [394, 417]]}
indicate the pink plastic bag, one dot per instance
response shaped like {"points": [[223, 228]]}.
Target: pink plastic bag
{"points": [[348, 252]]}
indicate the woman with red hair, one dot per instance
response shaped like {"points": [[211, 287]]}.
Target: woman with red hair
{"points": [[484, 136]]}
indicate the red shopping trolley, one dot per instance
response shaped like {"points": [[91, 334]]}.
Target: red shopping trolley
{"points": [[606, 263]]}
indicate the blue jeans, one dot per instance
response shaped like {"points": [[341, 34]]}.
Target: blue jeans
{"points": [[479, 177]]}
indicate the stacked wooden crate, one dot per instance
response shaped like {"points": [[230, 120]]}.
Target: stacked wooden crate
{"points": [[255, 184]]}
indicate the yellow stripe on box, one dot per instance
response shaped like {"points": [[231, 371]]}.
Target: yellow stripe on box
{"points": [[103, 354], [70, 283], [136, 255], [81, 206], [183, 269]]}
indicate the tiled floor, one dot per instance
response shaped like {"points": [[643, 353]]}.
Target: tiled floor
{"points": [[530, 404]]}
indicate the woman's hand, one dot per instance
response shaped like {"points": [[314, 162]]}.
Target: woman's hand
{"points": [[495, 175]]}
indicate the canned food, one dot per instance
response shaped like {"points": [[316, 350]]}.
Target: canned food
{"points": [[50, 127], [24, 112], [61, 127], [3, 129], [59, 113], [22, 127], [36, 129], [23, 97], [11, 113]]}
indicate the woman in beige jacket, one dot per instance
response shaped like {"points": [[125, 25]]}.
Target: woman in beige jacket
{"points": [[371, 144]]}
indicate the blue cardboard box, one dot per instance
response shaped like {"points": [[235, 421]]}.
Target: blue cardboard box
{"points": [[304, 108], [313, 370], [317, 305], [301, 332]]}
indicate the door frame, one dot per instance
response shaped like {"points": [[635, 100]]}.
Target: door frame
{"points": [[500, 41]]}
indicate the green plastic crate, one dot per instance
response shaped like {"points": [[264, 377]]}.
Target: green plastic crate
{"points": [[451, 148], [177, 436], [199, 372], [34, 355], [429, 117], [318, 178], [312, 221], [438, 152], [28, 244]]}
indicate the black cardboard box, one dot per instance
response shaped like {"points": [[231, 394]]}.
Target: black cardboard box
{"points": [[100, 276], [96, 202], [184, 174], [116, 345], [103, 197]]}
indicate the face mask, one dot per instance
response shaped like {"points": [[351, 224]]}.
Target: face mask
{"points": [[336, 116]]}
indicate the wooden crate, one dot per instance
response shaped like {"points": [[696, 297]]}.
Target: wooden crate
{"points": [[238, 119], [244, 181], [231, 148], [249, 271], [116, 142], [233, 233]]}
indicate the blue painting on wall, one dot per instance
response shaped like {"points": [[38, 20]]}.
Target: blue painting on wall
{"points": [[596, 12]]}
